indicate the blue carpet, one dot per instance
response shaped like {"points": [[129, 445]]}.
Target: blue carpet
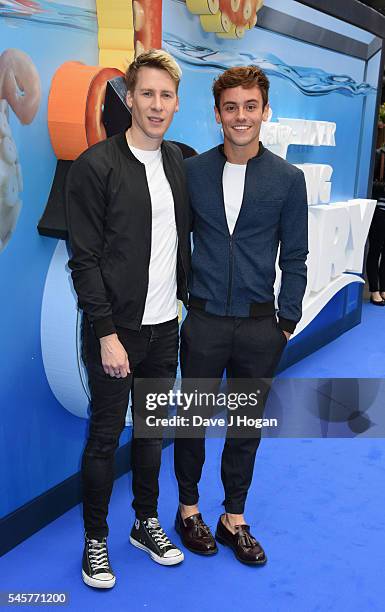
{"points": [[317, 507], [358, 353]]}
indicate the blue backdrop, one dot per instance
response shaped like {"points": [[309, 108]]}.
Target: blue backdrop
{"points": [[41, 441]]}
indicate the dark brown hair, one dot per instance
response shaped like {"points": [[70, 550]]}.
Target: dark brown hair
{"points": [[241, 76], [154, 58]]}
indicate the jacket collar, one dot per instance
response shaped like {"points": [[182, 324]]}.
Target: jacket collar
{"points": [[261, 151], [125, 149]]}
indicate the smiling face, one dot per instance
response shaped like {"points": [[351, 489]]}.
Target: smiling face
{"points": [[241, 114], [153, 104]]}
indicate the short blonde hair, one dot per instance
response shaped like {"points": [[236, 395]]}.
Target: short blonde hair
{"points": [[154, 58]]}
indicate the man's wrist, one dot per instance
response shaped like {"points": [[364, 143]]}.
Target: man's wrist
{"points": [[104, 327], [105, 339]]}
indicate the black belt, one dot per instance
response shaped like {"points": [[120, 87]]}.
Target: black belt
{"points": [[256, 309]]}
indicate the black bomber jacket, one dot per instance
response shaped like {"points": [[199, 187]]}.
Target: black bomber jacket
{"points": [[108, 209]]}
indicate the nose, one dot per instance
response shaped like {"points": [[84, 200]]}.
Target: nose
{"points": [[157, 102], [241, 114]]}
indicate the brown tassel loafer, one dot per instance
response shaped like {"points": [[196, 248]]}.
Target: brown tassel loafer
{"points": [[244, 545], [195, 534]]}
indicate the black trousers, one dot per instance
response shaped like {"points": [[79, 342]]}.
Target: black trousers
{"points": [[152, 353], [247, 348], [375, 261]]}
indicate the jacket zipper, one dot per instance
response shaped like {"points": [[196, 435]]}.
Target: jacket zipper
{"points": [[230, 276], [231, 254]]}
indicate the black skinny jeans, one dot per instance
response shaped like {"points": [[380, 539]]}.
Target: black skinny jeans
{"points": [[152, 353], [248, 348], [375, 269]]}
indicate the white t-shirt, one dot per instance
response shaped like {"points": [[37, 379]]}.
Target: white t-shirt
{"points": [[233, 181], [161, 302]]}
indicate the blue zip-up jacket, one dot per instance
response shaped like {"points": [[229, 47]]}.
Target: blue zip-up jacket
{"points": [[234, 274]]}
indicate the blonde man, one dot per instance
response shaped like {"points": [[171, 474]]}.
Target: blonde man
{"points": [[128, 222]]}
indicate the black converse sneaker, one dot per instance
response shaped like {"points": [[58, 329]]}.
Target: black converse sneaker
{"points": [[148, 535], [96, 570]]}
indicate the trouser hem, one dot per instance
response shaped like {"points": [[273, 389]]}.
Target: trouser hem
{"points": [[146, 515], [96, 535], [188, 501], [237, 509]]}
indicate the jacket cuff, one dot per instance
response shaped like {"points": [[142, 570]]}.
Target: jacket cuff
{"points": [[104, 327], [287, 325]]}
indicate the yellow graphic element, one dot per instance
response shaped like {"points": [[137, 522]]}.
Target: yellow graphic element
{"points": [[234, 32], [114, 39], [215, 23], [116, 33], [203, 7], [227, 18], [127, 28]]}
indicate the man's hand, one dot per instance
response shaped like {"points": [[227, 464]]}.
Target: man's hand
{"points": [[287, 334], [114, 357]]}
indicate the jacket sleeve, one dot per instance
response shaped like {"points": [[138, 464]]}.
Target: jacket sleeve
{"points": [[293, 253], [86, 209]]}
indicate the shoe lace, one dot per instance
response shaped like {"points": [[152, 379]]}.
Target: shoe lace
{"points": [[157, 533], [98, 555]]}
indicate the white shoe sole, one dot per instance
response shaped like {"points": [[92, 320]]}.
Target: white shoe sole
{"points": [[98, 584], [161, 560]]}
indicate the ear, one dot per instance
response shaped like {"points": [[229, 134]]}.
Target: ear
{"points": [[177, 104], [217, 115], [265, 114], [129, 99]]}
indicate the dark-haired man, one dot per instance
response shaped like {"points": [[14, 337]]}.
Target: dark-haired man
{"points": [[246, 203], [128, 220]]}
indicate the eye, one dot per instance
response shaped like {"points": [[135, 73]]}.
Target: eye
{"points": [[147, 94], [230, 108], [251, 107]]}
